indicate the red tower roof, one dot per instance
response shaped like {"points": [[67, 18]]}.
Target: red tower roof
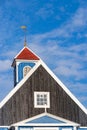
{"points": [[26, 54]]}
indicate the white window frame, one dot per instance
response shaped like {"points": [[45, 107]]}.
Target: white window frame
{"points": [[28, 71], [48, 100]]}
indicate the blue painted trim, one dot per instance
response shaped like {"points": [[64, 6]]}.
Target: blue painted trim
{"points": [[3, 128], [24, 127], [20, 69], [66, 127], [82, 128], [45, 119], [14, 75]]}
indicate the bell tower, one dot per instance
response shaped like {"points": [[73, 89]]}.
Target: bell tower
{"points": [[23, 62]]}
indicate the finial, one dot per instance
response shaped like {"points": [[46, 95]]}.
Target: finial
{"points": [[24, 29]]}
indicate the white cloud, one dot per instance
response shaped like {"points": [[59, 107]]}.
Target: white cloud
{"points": [[76, 23], [70, 71], [46, 11], [5, 65], [68, 61], [80, 18], [9, 54], [79, 90], [78, 48]]}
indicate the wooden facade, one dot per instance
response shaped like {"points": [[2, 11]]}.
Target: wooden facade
{"points": [[21, 105]]}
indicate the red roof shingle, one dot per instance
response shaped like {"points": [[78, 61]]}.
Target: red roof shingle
{"points": [[26, 54]]}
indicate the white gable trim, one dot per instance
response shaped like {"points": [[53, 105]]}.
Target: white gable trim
{"points": [[67, 122], [40, 62], [83, 127], [19, 52], [22, 60], [43, 124], [4, 126], [64, 87], [18, 86]]}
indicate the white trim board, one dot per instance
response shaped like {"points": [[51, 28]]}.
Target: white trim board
{"points": [[4, 126], [29, 61], [64, 87], [43, 124], [18, 86], [40, 62], [46, 128], [66, 122]]}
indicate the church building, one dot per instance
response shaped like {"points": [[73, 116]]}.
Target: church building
{"points": [[39, 100]]}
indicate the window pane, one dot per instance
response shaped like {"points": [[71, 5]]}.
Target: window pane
{"points": [[41, 99], [26, 69]]}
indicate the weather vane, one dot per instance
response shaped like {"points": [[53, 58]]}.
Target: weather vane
{"points": [[24, 28]]}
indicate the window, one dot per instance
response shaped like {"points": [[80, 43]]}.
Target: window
{"points": [[26, 69], [41, 100], [46, 128], [66, 128]]}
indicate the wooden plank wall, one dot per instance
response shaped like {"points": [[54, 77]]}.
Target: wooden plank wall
{"points": [[21, 104]]}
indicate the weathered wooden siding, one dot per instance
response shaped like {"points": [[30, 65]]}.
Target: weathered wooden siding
{"points": [[21, 104]]}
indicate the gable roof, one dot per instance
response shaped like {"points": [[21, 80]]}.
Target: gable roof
{"points": [[46, 119], [25, 54], [40, 62]]}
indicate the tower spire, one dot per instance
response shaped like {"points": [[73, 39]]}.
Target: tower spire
{"points": [[24, 29]]}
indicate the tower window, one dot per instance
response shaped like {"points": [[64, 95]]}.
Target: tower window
{"points": [[26, 69], [41, 99]]}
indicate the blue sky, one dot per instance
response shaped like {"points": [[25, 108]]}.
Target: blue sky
{"points": [[56, 32]]}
